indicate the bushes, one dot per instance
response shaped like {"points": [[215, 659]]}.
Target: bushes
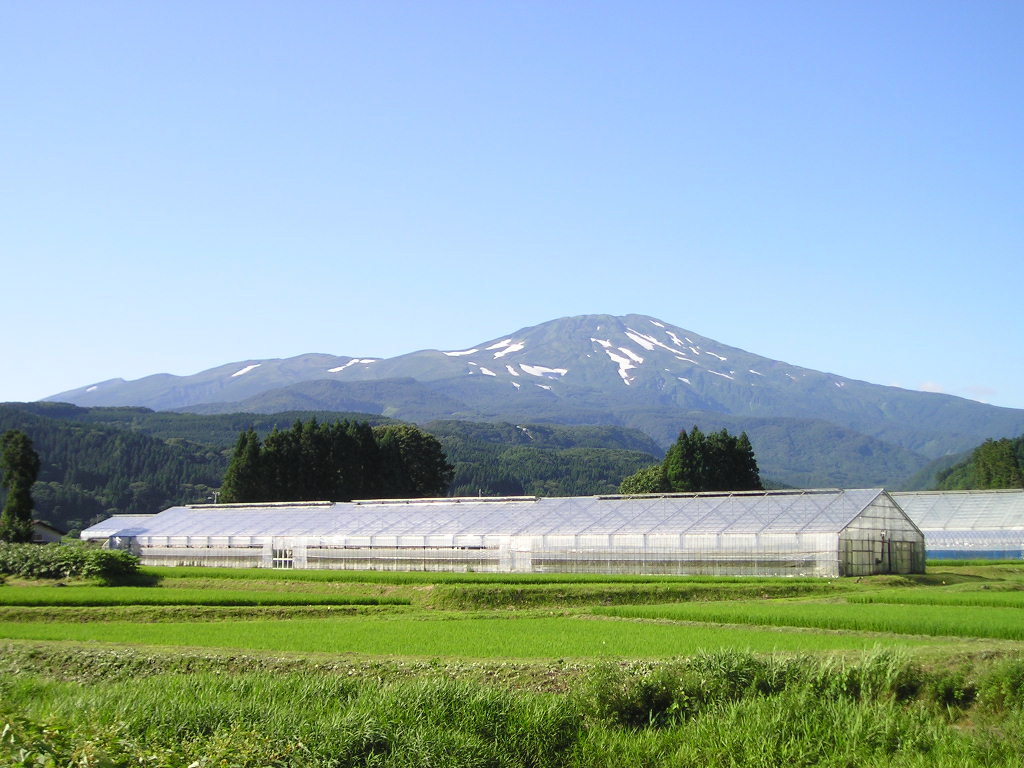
{"points": [[56, 561]]}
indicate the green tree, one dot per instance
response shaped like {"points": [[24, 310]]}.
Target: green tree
{"points": [[649, 480], [336, 462], [697, 462], [19, 464], [243, 480], [413, 463], [993, 464]]}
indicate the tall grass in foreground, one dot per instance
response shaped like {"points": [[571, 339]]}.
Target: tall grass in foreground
{"points": [[728, 709]]}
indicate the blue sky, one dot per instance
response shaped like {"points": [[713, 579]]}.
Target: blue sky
{"points": [[839, 185]]}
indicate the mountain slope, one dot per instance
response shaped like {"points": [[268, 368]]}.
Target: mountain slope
{"points": [[633, 371]]}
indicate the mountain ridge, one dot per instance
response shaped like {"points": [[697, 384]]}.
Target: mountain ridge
{"points": [[633, 370]]}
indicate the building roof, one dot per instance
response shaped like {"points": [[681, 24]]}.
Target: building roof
{"points": [[55, 529], [964, 510], [117, 525], [804, 511]]}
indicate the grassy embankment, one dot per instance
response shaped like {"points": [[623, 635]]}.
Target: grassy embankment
{"points": [[317, 669]]}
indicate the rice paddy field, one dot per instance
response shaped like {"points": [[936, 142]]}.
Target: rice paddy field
{"points": [[221, 667]]}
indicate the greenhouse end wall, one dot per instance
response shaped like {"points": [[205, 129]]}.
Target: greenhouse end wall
{"points": [[882, 539]]}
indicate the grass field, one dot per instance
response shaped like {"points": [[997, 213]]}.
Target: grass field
{"points": [[311, 668]]}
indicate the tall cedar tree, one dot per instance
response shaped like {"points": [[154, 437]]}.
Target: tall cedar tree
{"points": [[697, 462], [336, 462], [20, 466]]}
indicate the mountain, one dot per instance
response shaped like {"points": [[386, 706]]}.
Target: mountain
{"points": [[807, 427]]}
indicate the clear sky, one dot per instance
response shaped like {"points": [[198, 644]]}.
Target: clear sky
{"points": [[839, 185]]}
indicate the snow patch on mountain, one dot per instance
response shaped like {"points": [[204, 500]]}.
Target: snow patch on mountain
{"points": [[647, 342], [723, 375], [723, 359], [756, 373], [624, 364], [631, 355], [511, 370], [655, 322], [463, 352], [516, 384], [487, 372], [650, 343], [675, 339], [92, 388], [540, 370], [506, 347], [683, 378], [246, 369], [340, 368]]}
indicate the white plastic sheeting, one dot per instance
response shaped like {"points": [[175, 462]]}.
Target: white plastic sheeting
{"points": [[821, 532], [968, 524]]}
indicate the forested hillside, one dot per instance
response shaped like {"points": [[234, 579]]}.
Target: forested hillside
{"points": [[541, 459], [90, 471], [993, 464], [102, 461]]}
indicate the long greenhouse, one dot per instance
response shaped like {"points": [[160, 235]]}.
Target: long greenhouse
{"points": [[825, 533], [968, 524]]}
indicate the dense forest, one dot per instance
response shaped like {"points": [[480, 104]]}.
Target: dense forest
{"points": [[102, 461], [993, 464], [337, 461]]}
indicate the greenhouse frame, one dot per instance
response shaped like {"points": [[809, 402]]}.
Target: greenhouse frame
{"points": [[827, 533], [968, 524]]}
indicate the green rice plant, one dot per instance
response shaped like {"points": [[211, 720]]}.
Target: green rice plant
{"points": [[444, 577], [484, 597], [1013, 598], [528, 637], [117, 596], [960, 621]]}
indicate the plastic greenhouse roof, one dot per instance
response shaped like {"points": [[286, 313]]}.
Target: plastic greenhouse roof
{"points": [[818, 511], [118, 525], [964, 510]]}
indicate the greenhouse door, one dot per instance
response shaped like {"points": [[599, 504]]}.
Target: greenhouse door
{"points": [[281, 555]]}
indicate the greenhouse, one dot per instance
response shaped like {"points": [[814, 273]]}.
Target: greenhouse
{"points": [[800, 533], [968, 524]]}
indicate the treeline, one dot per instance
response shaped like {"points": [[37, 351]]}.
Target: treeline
{"points": [[697, 462], [993, 464], [89, 472], [340, 461]]}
